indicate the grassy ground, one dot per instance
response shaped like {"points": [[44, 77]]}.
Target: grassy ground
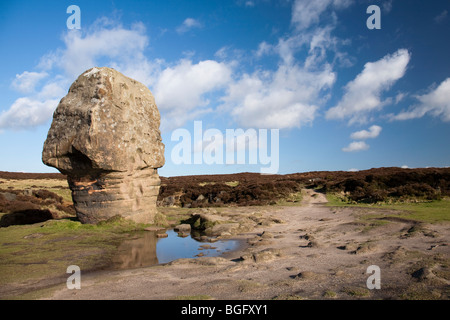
{"points": [[436, 211], [44, 250]]}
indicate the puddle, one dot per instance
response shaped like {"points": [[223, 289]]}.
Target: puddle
{"points": [[146, 249]]}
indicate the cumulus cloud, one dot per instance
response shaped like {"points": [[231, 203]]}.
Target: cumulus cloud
{"points": [[373, 132], [306, 13], [107, 43], [356, 146], [284, 98], [113, 44], [291, 95], [435, 103], [363, 94], [27, 81], [190, 82], [119, 47], [188, 24], [27, 112]]}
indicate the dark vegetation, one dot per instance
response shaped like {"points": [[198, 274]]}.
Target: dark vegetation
{"points": [[246, 189], [33, 204], [368, 186]]}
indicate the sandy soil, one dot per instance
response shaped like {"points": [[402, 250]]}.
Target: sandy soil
{"points": [[318, 252]]}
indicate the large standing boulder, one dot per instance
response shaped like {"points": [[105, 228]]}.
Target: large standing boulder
{"points": [[105, 137]]}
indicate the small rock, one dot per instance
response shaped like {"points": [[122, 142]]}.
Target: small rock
{"points": [[307, 275], [9, 196], [184, 228], [162, 235], [183, 235], [266, 235], [313, 244], [261, 256], [222, 229]]}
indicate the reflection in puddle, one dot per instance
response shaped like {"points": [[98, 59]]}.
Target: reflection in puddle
{"points": [[148, 250]]}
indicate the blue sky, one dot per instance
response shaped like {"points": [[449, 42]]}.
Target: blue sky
{"points": [[342, 96]]}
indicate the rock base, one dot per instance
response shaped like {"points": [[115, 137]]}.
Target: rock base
{"points": [[132, 195]]}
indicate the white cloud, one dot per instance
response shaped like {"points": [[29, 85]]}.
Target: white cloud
{"points": [[291, 95], [188, 24], [116, 46], [436, 103], [363, 94], [404, 166], [180, 90], [356, 146], [26, 112], [27, 81], [119, 45], [284, 98], [263, 49], [353, 170], [306, 13], [373, 132]]}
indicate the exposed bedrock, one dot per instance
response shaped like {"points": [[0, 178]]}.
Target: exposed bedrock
{"points": [[105, 137]]}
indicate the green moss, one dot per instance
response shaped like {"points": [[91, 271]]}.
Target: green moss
{"points": [[436, 211], [32, 253], [420, 291], [329, 294], [356, 291], [293, 199]]}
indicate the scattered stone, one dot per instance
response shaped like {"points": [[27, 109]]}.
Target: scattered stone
{"points": [[105, 137], [308, 275], [313, 244], [9, 196], [266, 235], [365, 248], [162, 235], [307, 236], [349, 246], [183, 228], [183, 235], [222, 229], [261, 256]]}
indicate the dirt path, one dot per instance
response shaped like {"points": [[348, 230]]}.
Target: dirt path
{"points": [[318, 252]]}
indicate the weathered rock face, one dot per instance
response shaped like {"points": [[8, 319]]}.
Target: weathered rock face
{"points": [[105, 137]]}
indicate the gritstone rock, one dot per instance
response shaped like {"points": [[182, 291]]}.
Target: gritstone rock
{"points": [[105, 137]]}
